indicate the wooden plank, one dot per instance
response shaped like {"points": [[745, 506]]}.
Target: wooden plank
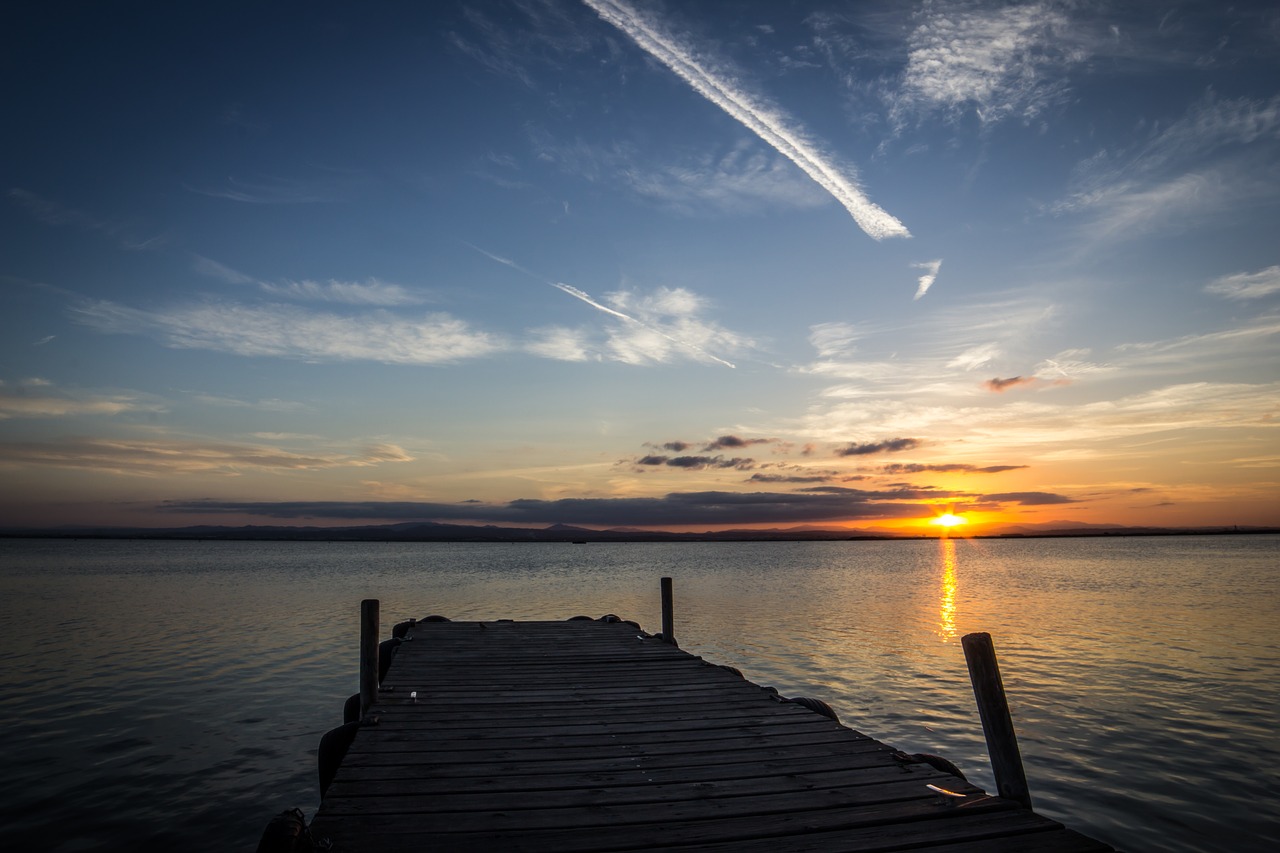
{"points": [[646, 828], [744, 777], [583, 736]]}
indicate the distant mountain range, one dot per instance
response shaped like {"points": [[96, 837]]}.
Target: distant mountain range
{"points": [[427, 531]]}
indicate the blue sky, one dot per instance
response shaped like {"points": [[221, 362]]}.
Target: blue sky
{"points": [[635, 263]]}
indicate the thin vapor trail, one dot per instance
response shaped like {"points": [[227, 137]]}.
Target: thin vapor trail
{"points": [[766, 122], [573, 291], [586, 297]]}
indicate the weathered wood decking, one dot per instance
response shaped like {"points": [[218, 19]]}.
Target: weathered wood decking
{"points": [[579, 736]]}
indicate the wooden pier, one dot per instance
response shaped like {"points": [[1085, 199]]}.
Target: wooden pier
{"points": [[592, 736]]}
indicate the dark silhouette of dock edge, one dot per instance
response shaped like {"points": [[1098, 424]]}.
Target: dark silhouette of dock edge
{"points": [[593, 735]]}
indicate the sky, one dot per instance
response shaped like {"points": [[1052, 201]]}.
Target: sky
{"points": [[622, 263]]}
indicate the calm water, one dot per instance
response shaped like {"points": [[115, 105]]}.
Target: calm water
{"points": [[168, 696]]}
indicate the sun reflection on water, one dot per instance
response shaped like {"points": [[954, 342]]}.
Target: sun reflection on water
{"points": [[947, 603]]}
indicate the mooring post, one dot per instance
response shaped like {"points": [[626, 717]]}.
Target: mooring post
{"points": [[368, 654], [668, 614], [997, 725]]}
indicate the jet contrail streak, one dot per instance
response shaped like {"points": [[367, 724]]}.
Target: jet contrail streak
{"points": [[586, 297], [765, 122]]}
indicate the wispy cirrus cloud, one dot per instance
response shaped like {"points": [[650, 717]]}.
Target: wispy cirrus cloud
{"points": [[928, 355], [39, 398], [369, 292], [998, 61], [293, 332], [743, 179], [159, 457], [1101, 427], [765, 120], [263, 405], [55, 213], [1244, 285], [1217, 158], [544, 35], [270, 191]]}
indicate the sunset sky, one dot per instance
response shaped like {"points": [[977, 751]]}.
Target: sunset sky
{"points": [[644, 264]]}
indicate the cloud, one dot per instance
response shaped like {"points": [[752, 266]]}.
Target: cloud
{"points": [[1132, 208], [655, 328], [975, 357], [1217, 159], [265, 405], [697, 463], [49, 404], [893, 445], [835, 340], [213, 269], [790, 478], [954, 467], [928, 356], [659, 326], [543, 35], [931, 274], [1247, 285], [1210, 124], [369, 292], [711, 509], [1001, 62], [1030, 498], [170, 457], [726, 441], [292, 332], [270, 191], [741, 180], [999, 385], [764, 120], [57, 214], [559, 343], [1242, 345]]}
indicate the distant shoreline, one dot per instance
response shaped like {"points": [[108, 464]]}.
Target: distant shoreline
{"points": [[563, 535]]}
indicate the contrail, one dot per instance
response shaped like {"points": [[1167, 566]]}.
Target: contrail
{"points": [[573, 291], [586, 297], [767, 123]]}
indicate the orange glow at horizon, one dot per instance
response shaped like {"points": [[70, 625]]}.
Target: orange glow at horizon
{"points": [[949, 520]]}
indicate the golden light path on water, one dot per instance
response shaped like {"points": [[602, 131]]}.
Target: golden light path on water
{"points": [[947, 605]]}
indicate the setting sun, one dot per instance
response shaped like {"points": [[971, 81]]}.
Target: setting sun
{"points": [[948, 520]]}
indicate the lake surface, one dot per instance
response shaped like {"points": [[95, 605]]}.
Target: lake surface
{"points": [[170, 695]]}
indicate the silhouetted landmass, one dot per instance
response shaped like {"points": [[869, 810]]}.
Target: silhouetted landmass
{"points": [[427, 531]]}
